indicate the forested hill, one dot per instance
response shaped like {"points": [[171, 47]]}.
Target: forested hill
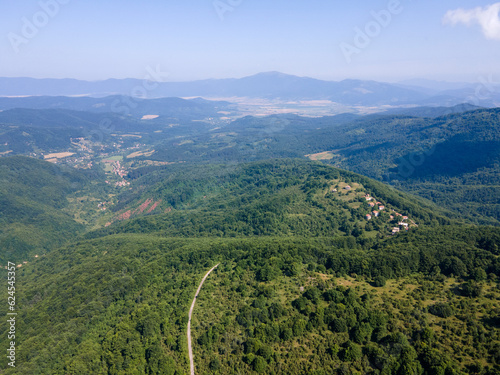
{"points": [[33, 199], [307, 283], [452, 160], [290, 197]]}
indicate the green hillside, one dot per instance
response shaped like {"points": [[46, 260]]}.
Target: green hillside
{"points": [[34, 213], [453, 160], [289, 197], [118, 305], [306, 284]]}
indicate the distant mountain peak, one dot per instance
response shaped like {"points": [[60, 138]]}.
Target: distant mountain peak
{"points": [[272, 74]]}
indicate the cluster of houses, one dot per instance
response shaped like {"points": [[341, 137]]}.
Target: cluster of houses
{"points": [[102, 206], [377, 206], [403, 221], [122, 183], [118, 169]]}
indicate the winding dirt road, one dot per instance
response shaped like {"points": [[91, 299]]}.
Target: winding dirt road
{"points": [[190, 347]]}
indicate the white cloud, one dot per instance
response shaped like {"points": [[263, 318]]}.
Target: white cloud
{"points": [[488, 18]]}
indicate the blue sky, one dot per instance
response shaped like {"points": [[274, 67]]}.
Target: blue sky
{"points": [[191, 39]]}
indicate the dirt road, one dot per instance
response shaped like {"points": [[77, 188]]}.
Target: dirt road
{"points": [[190, 347]]}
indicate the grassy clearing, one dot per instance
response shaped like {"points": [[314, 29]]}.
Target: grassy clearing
{"points": [[326, 155]]}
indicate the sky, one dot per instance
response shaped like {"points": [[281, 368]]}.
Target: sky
{"points": [[391, 40]]}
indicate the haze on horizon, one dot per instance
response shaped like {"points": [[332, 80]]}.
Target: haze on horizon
{"points": [[389, 40]]}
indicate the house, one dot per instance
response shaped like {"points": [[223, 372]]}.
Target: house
{"points": [[404, 224], [347, 187], [371, 204], [395, 230], [368, 198], [381, 208], [405, 217], [368, 217], [391, 217], [375, 213]]}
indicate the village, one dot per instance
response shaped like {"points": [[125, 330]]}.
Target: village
{"points": [[404, 222], [350, 193]]}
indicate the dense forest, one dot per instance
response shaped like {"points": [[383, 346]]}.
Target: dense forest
{"points": [[118, 305], [447, 155], [452, 159], [307, 284], [33, 198]]}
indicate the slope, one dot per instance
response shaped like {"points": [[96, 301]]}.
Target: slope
{"points": [[296, 290], [451, 159], [273, 197], [33, 198]]}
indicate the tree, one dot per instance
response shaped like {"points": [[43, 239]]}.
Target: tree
{"points": [[259, 364], [443, 310], [362, 332], [214, 364], [379, 281], [471, 289], [478, 274], [352, 352]]}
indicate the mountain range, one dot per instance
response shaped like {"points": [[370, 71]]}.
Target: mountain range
{"points": [[322, 269], [269, 85]]}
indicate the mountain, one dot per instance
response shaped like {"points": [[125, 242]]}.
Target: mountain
{"points": [[270, 85], [305, 283], [271, 197], [36, 125], [452, 160], [24, 86]]}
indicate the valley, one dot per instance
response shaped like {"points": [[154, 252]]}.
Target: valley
{"points": [[235, 187], [346, 243]]}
